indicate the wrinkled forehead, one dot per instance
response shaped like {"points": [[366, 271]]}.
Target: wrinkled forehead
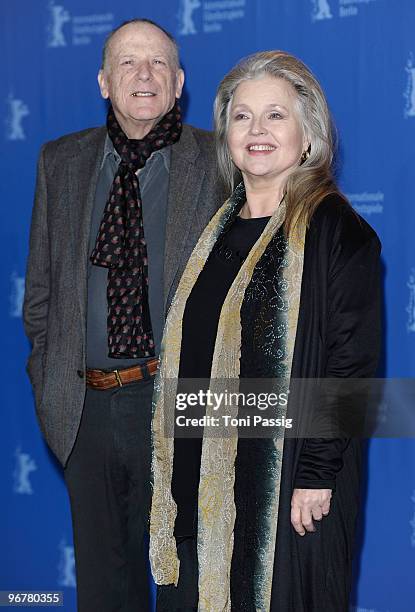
{"points": [[136, 37]]}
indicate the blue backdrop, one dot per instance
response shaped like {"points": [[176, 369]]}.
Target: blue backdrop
{"points": [[363, 52]]}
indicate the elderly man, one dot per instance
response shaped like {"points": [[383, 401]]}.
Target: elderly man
{"points": [[118, 210]]}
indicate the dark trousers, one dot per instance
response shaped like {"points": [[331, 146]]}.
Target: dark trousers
{"points": [[184, 597], [108, 478]]}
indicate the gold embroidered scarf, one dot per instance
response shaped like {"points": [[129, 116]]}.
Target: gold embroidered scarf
{"points": [[216, 515]]}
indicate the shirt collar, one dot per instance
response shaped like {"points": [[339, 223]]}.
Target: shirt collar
{"points": [[109, 150]]}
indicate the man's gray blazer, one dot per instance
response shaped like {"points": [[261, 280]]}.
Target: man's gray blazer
{"points": [[56, 281]]}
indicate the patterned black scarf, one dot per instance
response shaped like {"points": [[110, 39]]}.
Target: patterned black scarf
{"points": [[120, 245]]}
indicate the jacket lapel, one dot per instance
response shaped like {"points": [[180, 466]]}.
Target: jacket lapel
{"points": [[185, 183], [83, 171]]}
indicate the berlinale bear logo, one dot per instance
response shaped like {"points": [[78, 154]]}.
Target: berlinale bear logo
{"points": [[17, 295], [24, 466], [66, 567], [17, 110], [321, 10], [186, 23], [58, 17], [409, 94], [410, 309]]}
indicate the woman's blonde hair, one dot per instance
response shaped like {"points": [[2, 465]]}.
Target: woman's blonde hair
{"points": [[312, 180]]}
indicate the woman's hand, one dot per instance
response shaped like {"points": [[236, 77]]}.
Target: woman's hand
{"points": [[306, 505]]}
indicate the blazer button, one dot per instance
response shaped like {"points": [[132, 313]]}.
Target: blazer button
{"points": [[80, 373]]}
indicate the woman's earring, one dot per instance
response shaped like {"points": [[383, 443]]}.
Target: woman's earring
{"points": [[306, 154]]}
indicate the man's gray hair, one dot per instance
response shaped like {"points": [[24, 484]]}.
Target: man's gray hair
{"points": [[310, 103], [138, 20]]}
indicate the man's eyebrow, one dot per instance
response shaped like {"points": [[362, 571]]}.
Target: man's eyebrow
{"points": [[132, 53]]}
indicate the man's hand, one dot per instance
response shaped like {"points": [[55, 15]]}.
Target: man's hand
{"points": [[306, 505]]}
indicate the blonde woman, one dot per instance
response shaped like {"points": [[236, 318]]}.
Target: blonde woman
{"points": [[283, 283]]}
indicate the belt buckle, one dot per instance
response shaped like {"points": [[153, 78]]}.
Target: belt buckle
{"points": [[118, 377]]}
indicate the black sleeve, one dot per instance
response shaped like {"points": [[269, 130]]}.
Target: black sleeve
{"points": [[353, 344]]}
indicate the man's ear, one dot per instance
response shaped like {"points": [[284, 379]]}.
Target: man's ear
{"points": [[179, 82], [103, 85]]}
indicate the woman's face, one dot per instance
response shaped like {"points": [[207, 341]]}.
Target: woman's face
{"points": [[265, 136]]}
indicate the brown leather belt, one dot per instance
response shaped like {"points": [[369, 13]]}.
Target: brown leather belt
{"points": [[98, 379]]}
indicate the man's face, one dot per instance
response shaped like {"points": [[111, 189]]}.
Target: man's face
{"points": [[140, 77]]}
